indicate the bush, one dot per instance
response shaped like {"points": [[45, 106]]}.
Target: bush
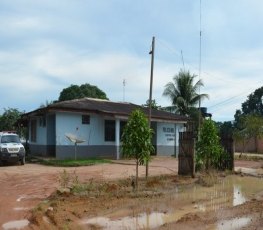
{"points": [[209, 152]]}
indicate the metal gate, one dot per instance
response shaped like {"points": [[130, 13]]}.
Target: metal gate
{"points": [[227, 143], [186, 153]]}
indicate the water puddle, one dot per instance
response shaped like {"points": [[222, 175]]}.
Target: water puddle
{"points": [[29, 197], [20, 209], [16, 224], [233, 224], [249, 171], [230, 191], [142, 221]]}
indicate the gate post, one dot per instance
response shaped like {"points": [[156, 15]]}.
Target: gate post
{"points": [[186, 154]]}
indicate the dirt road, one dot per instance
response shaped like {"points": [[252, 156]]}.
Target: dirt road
{"points": [[23, 187]]}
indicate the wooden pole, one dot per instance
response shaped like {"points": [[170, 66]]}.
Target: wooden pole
{"points": [[150, 96]]}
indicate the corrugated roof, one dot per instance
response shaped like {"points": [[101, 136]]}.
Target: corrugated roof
{"points": [[105, 107]]}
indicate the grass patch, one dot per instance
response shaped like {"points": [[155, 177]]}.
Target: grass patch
{"points": [[73, 163]]}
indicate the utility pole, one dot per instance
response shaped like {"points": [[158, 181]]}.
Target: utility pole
{"points": [[150, 96]]}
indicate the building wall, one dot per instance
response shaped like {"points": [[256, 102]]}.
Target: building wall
{"points": [[167, 139], [52, 140], [94, 144], [39, 146]]}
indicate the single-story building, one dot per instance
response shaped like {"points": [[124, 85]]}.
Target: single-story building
{"points": [[96, 125]]}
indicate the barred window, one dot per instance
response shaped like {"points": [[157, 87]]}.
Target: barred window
{"points": [[33, 129], [85, 119], [109, 132]]}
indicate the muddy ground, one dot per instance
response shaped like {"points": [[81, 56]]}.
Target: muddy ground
{"points": [[25, 198]]}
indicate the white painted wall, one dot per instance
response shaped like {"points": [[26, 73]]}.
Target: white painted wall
{"points": [[168, 134], [92, 133], [41, 133]]}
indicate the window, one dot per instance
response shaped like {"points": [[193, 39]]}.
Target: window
{"points": [[42, 121], [85, 119], [109, 133], [33, 133]]}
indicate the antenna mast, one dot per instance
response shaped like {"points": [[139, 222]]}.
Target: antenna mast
{"points": [[200, 62], [124, 84], [182, 59]]}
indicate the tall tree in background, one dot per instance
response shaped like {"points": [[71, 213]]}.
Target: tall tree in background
{"points": [[183, 92], [8, 121], [85, 90], [248, 122], [154, 104], [253, 105]]}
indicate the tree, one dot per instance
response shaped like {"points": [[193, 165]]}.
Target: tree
{"points": [[248, 121], [153, 104], [136, 140], [253, 105], [183, 92], [85, 90], [249, 126], [225, 128], [209, 151], [8, 120]]}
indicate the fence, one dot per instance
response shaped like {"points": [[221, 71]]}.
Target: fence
{"points": [[186, 153]]}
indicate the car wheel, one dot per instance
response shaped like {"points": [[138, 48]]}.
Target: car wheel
{"points": [[23, 161]]}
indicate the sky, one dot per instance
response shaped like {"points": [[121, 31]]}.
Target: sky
{"points": [[47, 45]]}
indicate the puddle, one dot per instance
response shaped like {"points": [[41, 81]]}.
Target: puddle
{"points": [[142, 221], [16, 224], [250, 171], [230, 191], [28, 197], [20, 209], [233, 224]]}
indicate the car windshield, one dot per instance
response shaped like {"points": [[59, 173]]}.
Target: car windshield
{"points": [[10, 139]]}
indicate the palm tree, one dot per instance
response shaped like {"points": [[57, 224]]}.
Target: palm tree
{"points": [[183, 93]]}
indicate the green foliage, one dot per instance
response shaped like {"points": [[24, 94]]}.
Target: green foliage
{"points": [[252, 106], [136, 139], [248, 126], [209, 152], [8, 121], [73, 163], [85, 90], [225, 128], [153, 104], [183, 92]]}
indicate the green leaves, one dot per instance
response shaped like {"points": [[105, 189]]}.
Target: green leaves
{"points": [[183, 92], [85, 90], [209, 151], [136, 138]]}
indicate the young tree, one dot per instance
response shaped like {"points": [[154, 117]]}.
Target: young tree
{"points": [[85, 90], [137, 140], [183, 92], [209, 151]]}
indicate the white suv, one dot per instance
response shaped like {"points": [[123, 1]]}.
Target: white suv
{"points": [[11, 149]]}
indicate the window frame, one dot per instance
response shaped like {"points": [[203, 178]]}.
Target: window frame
{"points": [[85, 119], [109, 130]]}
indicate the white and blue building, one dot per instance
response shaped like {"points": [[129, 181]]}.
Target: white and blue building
{"points": [[99, 124]]}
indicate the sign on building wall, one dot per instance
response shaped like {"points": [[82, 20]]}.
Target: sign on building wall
{"points": [[166, 134]]}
